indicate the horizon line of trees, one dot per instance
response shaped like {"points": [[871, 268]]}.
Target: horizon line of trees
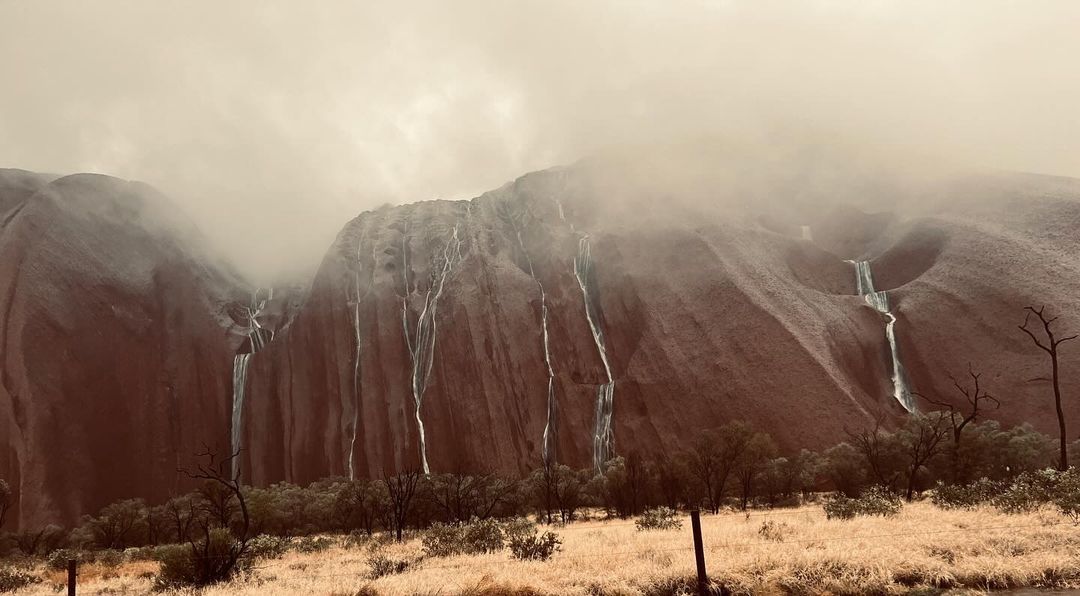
{"points": [[734, 465]]}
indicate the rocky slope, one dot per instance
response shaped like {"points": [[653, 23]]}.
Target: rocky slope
{"points": [[472, 334], [571, 315], [114, 344]]}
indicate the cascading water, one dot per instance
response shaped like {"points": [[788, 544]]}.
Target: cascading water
{"points": [[356, 361], [864, 281], [240, 368], [259, 337], [422, 345], [806, 235], [550, 428], [603, 436]]}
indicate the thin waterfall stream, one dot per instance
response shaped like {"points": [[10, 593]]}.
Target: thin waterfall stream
{"points": [[258, 337], [864, 281], [422, 345], [603, 435]]}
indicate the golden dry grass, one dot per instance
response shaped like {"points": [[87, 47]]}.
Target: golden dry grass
{"points": [[921, 548]]}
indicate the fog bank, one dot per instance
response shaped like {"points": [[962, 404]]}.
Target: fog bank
{"points": [[272, 123]]}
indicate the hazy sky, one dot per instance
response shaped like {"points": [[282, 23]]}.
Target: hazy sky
{"points": [[274, 122]]}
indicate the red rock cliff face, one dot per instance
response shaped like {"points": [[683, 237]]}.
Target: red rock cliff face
{"points": [[113, 350], [557, 318], [706, 314]]}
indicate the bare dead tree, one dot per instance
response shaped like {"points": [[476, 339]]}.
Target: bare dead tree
{"points": [[1050, 346], [214, 566], [402, 489], [977, 400]]}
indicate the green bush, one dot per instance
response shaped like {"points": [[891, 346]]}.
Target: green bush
{"points": [[265, 546], [534, 547], [964, 496], [12, 579], [107, 558], [660, 518], [476, 537], [442, 540], [380, 566], [878, 500], [837, 506], [1028, 492], [483, 536], [58, 559], [1067, 495], [874, 501], [208, 563]]}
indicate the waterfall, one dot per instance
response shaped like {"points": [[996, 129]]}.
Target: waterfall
{"points": [[864, 281], [550, 426], [240, 368], [259, 337], [603, 437], [806, 235], [356, 363], [422, 345]]}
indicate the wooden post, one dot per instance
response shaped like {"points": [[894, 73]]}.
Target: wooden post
{"points": [[71, 577], [699, 552]]}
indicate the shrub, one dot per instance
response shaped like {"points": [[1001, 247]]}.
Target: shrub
{"points": [[534, 547], [265, 546], [878, 500], [58, 559], [482, 536], [312, 544], [356, 539], [12, 579], [205, 564], [517, 526], [381, 565], [771, 530], [476, 537], [1067, 495], [442, 540], [660, 518], [874, 501], [107, 558], [964, 496], [1028, 492]]}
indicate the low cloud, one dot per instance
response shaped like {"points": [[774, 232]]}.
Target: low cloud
{"points": [[272, 123]]}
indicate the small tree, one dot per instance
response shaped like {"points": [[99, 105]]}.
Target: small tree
{"points": [[1050, 346], [921, 438], [360, 504], [117, 525], [401, 490], [977, 399], [882, 453], [215, 555], [713, 458], [750, 464]]}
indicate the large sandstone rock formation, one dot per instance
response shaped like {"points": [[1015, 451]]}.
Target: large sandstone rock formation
{"points": [[456, 335], [115, 344], [573, 314]]}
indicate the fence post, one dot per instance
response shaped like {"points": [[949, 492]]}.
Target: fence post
{"points": [[71, 577], [699, 552]]}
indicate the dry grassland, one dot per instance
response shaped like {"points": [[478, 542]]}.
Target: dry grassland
{"points": [[924, 550]]}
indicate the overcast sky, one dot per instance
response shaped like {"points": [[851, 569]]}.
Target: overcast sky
{"points": [[274, 122]]}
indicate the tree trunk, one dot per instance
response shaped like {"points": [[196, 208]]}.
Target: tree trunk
{"points": [[1063, 462]]}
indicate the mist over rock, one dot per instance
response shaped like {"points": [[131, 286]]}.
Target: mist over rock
{"points": [[115, 344], [570, 315]]}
